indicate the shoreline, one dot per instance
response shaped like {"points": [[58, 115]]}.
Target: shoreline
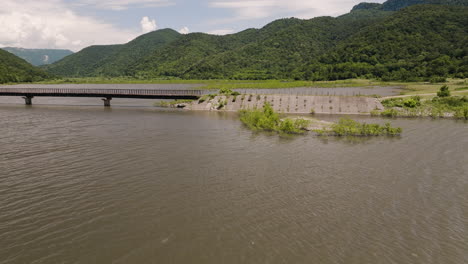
{"points": [[288, 104]]}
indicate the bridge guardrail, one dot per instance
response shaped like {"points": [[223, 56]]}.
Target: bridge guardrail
{"points": [[104, 92]]}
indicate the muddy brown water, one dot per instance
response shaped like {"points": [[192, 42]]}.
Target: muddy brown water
{"points": [[84, 184]]}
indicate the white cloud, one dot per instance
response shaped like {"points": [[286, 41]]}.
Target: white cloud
{"points": [[123, 4], [221, 31], [184, 30], [51, 24], [148, 25], [257, 9]]}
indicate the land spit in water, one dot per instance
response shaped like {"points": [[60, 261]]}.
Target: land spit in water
{"points": [[288, 104]]}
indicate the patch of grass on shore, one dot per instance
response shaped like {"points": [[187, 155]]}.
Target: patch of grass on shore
{"points": [[443, 105], [416, 88], [268, 120], [349, 127]]}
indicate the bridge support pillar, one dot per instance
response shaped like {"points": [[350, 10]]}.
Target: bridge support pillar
{"points": [[28, 99], [107, 101]]}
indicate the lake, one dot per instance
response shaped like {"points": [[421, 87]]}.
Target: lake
{"points": [[138, 184]]}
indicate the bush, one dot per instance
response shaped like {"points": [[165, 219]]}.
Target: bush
{"points": [[444, 91], [389, 113], [227, 91], [206, 97], [265, 119], [221, 104], [393, 102], [287, 126], [268, 120], [411, 102], [349, 127], [461, 112]]}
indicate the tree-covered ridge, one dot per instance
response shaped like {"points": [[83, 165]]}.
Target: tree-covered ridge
{"points": [[39, 57], [283, 53], [15, 69], [82, 63], [118, 64], [418, 42], [395, 5], [112, 60]]}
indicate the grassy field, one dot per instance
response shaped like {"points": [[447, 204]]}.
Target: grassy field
{"points": [[218, 84], [455, 85]]}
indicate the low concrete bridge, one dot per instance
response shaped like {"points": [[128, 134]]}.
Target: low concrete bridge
{"points": [[106, 94]]}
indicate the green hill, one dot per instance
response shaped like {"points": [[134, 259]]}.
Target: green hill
{"points": [[182, 55], [15, 69], [395, 5], [281, 53], [396, 40], [39, 57], [111, 60], [82, 63], [418, 42]]}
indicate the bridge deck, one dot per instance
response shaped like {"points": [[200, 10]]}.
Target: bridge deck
{"points": [[104, 93]]}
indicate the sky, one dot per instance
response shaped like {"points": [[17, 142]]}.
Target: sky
{"points": [[76, 24]]}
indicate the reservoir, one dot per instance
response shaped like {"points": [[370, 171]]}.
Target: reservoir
{"points": [[139, 184]]}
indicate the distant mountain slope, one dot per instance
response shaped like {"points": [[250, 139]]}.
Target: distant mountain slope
{"points": [[111, 60], [15, 69], [39, 57], [387, 41], [82, 63]]}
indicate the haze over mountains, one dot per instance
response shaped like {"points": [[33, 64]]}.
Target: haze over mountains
{"points": [[397, 40], [38, 57], [15, 69]]}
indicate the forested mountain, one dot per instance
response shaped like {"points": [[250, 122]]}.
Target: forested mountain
{"points": [[112, 60], [39, 57], [15, 69], [417, 42], [396, 40], [395, 5], [84, 62], [281, 53]]}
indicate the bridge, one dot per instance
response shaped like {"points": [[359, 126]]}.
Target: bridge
{"points": [[106, 94]]}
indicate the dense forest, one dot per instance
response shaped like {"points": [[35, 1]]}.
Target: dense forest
{"points": [[15, 69], [397, 40], [419, 42]]}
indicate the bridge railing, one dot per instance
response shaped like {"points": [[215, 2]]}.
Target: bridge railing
{"points": [[107, 92]]}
